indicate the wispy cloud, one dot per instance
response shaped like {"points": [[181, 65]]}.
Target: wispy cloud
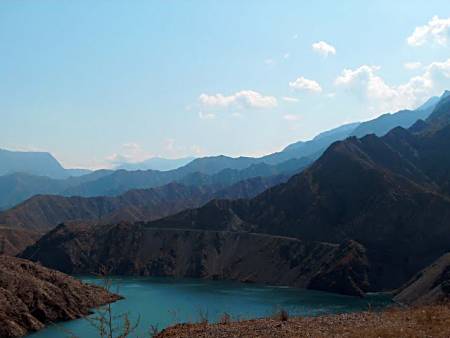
{"points": [[130, 152], [324, 48], [241, 99], [289, 99], [303, 84], [412, 65], [291, 117], [206, 116]]}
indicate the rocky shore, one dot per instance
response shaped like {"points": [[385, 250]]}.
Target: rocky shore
{"points": [[32, 296], [425, 321]]}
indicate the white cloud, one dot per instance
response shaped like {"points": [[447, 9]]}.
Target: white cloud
{"points": [[295, 36], [367, 84], [206, 116], [169, 144], [412, 65], [286, 56], [289, 99], [197, 150], [242, 99], [291, 117], [323, 48], [172, 149], [269, 61], [302, 83], [436, 31], [130, 152]]}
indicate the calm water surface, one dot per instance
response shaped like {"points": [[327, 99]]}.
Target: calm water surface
{"points": [[165, 301]]}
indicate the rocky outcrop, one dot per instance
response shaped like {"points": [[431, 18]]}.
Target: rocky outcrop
{"points": [[137, 250], [431, 285], [32, 296], [347, 273]]}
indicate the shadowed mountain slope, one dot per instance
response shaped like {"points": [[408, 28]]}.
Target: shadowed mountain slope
{"points": [[390, 194], [132, 249], [43, 212]]}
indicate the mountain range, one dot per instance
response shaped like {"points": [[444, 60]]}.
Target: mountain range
{"points": [[388, 194], [25, 181], [35, 163], [155, 163]]}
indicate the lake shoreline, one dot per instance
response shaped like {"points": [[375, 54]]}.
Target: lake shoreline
{"points": [[164, 302], [421, 321]]}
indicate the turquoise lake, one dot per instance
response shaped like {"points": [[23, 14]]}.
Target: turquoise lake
{"points": [[166, 301]]}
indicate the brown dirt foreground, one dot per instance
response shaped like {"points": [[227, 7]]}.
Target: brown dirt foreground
{"points": [[425, 321]]}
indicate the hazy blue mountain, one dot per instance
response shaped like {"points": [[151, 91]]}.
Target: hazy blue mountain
{"points": [[157, 163], [403, 118], [212, 170], [121, 181], [15, 188], [34, 163], [314, 147]]}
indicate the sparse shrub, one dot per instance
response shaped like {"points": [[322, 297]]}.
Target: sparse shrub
{"points": [[225, 318], [105, 320], [153, 330], [203, 316], [281, 315]]}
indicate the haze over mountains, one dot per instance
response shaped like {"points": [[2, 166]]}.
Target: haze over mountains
{"points": [[155, 163], [28, 178], [35, 163], [388, 195]]}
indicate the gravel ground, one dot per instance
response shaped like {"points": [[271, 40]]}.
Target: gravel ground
{"points": [[423, 322]]}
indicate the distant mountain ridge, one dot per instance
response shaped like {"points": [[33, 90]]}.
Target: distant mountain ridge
{"points": [[404, 118], [35, 163], [43, 212], [15, 188], [385, 201], [391, 194], [156, 163]]}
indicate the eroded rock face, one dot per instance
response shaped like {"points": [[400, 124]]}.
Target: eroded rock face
{"points": [[32, 296], [126, 249], [347, 273], [431, 285]]}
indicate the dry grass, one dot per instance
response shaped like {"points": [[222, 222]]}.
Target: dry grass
{"points": [[423, 322]]}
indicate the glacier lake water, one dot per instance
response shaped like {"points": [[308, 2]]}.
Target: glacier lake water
{"points": [[165, 301]]}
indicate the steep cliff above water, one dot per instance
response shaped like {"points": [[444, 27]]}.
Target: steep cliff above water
{"points": [[127, 249]]}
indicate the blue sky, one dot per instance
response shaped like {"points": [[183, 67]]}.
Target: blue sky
{"points": [[98, 82]]}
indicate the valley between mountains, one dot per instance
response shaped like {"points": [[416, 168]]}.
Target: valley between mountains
{"points": [[362, 208]]}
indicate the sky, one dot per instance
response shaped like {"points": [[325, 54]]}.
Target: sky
{"points": [[99, 82]]}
